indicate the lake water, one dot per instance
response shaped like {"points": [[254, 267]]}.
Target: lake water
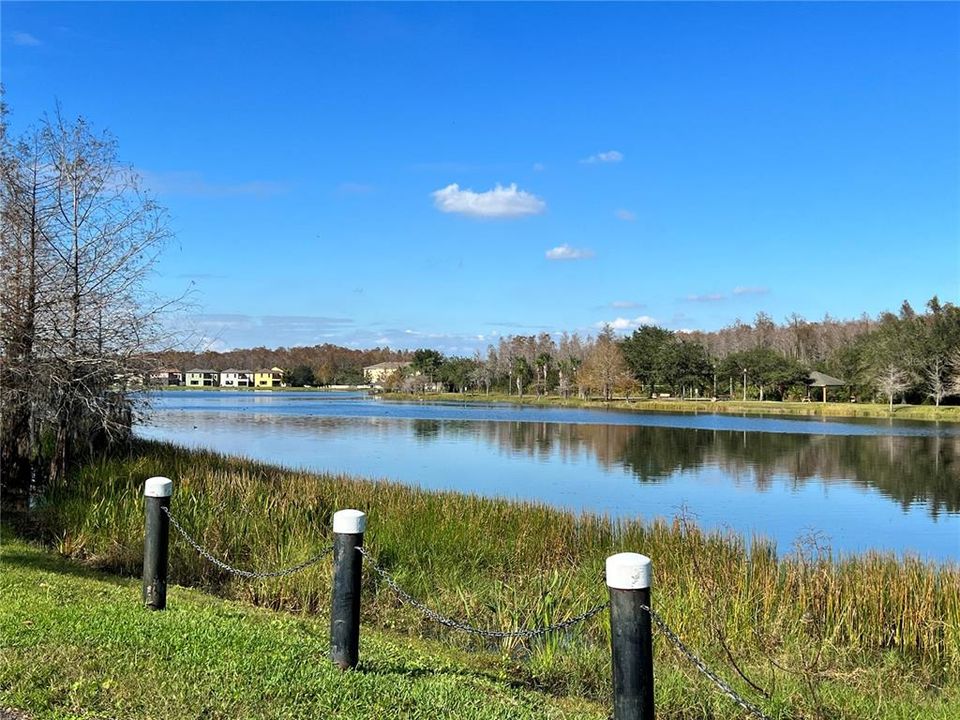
{"points": [[860, 485]]}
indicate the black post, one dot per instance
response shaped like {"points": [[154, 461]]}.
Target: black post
{"points": [[628, 579], [156, 541], [348, 527]]}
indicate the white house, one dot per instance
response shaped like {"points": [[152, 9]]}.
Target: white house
{"points": [[202, 378], [232, 377]]}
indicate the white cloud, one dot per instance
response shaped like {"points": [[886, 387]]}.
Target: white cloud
{"points": [[501, 202], [625, 215], [625, 304], [610, 156], [741, 290], [565, 252], [622, 324], [25, 39]]}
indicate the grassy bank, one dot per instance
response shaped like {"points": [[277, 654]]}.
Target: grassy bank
{"points": [[77, 644], [862, 637], [737, 407]]}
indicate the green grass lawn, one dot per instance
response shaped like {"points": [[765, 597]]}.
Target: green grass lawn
{"points": [[75, 643]]}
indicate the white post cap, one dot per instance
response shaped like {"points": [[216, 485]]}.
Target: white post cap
{"points": [[349, 522], [158, 487], [629, 571]]}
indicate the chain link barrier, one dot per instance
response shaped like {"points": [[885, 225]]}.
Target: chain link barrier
{"points": [[661, 624], [436, 617], [702, 666], [249, 574], [433, 615]]}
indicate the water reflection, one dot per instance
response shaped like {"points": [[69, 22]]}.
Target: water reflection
{"points": [[907, 469], [861, 486]]}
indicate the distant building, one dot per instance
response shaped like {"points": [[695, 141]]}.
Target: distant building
{"points": [[202, 378], [271, 378], [236, 378], [166, 376], [822, 380], [376, 374]]}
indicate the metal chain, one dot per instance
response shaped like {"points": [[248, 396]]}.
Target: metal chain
{"points": [[436, 617], [701, 666], [251, 574]]}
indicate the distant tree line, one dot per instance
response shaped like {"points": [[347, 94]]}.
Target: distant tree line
{"points": [[908, 356], [911, 357]]}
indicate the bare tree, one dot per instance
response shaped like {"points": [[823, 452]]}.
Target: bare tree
{"points": [[570, 357], [604, 368], [891, 381], [80, 237], [482, 373], [25, 209], [935, 376]]}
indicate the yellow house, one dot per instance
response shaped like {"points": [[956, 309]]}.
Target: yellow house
{"points": [[271, 378]]}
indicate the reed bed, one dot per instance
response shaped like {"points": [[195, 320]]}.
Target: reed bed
{"points": [[805, 634]]}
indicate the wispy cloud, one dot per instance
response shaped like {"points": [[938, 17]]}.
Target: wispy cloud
{"points": [[625, 215], [539, 167], [25, 39], [565, 252], [707, 298], [625, 304], [742, 290], [193, 184], [610, 156], [622, 324], [227, 331], [500, 202]]}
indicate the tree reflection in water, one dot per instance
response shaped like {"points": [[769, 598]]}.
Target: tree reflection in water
{"points": [[907, 469]]}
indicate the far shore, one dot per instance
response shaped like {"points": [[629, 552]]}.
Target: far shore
{"points": [[944, 413], [949, 413]]}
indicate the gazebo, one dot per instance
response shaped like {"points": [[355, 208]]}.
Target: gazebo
{"points": [[822, 380]]}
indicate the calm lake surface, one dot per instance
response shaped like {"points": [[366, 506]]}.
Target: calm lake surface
{"points": [[860, 485]]}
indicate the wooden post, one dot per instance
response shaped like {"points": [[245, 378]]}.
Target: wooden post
{"points": [[629, 578], [156, 541], [348, 527]]}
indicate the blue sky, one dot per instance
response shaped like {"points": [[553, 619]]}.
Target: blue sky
{"points": [[441, 174]]}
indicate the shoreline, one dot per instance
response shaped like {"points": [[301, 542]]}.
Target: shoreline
{"points": [[767, 408], [756, 408]]}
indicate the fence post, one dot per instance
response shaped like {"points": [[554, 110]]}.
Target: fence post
{"points": [[348, 527], [629, 577], [156, 541]]}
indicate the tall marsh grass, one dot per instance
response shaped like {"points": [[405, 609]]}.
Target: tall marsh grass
{"points": [[863, 636]]}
